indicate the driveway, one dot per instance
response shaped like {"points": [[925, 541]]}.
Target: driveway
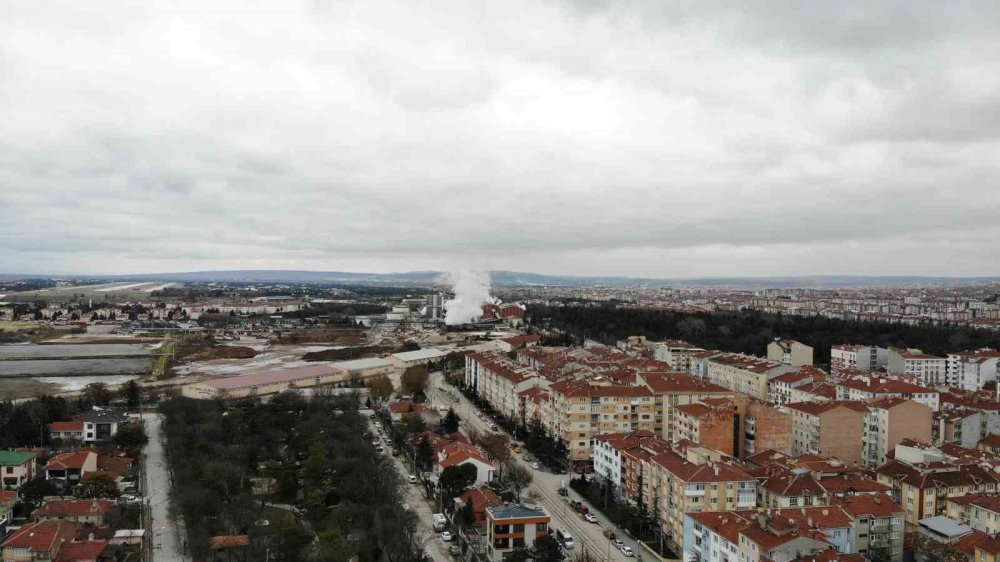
{"points": [[165, 533]]}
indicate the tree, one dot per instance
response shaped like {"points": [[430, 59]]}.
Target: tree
{"points": [[130, 393], [412, 423], [547, 549], [458, 478], [97, 485], [33, 491], [414, 380], [468, 514], [425, 454], [517, 478], [451, 421], [130, 437], [496, 448], [379, 388], [97, 394], [411, 346]]}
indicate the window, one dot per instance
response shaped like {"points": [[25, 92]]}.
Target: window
{"points": [[519, 527], [541, 528]]}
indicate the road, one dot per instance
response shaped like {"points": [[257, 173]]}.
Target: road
{"points": [[544, 486], [413, 495], [165, 532]]}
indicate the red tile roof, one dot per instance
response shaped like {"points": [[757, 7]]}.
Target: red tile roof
{"points": [[879, 505], [73, 508], [62, 426], [80, 551], [75, 459], [41, 537], [228, 541]]}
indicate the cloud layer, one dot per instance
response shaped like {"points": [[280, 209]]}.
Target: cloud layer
{"points": [[561, 137]]}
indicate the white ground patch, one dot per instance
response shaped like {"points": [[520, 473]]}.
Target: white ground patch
{"points": [[121, 287]]}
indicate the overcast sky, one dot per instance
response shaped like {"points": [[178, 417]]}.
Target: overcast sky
{"points": [[589, 137]]}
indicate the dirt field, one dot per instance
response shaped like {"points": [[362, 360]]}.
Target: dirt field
{"points": [[12, 388]]}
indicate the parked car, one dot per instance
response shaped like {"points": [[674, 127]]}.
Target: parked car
{"points": [[563, 492], [455, 550], [412, 479], [446, 536], [493, 427], [627, 551], [395, 452], [609, 534], [590, 517], [558, 470], [617, 543], [534, 465]]}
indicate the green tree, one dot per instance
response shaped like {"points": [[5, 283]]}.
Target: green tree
{"points": [[131, 437], [547, 549], [97, 485], [33, 491], [130, 394], [97, 394], [451, 421], [458, 478], [379, 388], [425, 454]]}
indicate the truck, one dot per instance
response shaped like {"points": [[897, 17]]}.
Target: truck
{"points": [[439, 522]]}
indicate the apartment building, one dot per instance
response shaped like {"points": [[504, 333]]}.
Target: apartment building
{"points": [[929, 369], [871, 388], [513, 526], [963, 426], [622, 459], [878, 525], [16, 468], [682, 487], [674, 389], [923, 485], [774, 535], [888, 421], [677, 353], [860, 357], [744, 373], [971, 370], [711, 423], [765, 427], [832, 429], [582, 410], [790, 488], [790, 352], [499, 380], [813, 392], [979, 511], [780, 387]]}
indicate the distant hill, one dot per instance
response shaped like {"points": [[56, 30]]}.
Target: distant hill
{"points": [[516, 278]]}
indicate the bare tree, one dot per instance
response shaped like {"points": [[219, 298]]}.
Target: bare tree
{"points": [[517, 478]]}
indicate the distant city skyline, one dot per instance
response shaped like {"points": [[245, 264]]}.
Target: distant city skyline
{"points": [[574, 137]]}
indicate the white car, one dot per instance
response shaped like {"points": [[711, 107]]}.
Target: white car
{"points": [[618, 544], [590, 517], [534, 465], [446, 536], [413, 479], [627, 551]]}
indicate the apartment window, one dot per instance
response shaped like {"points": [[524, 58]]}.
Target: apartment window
{"points": [[519, 527], [541, 527], [793, 501]]}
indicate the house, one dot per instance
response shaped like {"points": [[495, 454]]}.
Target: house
{"points": [[37, 541], [456, 454], [16, 468], [86, 551], [7, 500], [72, 429], [878, 526], [512, 526], [518, 342], [229, 547], [71, 467], [791, 488], [480, 498], [101, 424], [85, 512]]}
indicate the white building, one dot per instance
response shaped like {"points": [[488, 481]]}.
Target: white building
{"points": [[970, 370], [930, 369]]}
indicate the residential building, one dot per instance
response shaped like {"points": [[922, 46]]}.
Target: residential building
{"points": [[582, 410], [7, 500], [860, 357], [480, 498], [101, 424], [677, 353], [672, 389], [765, 427], [987, 550], [609, 450], [878, 525], [832, 429], [780, 387], [512, 526], [791, 488], [790, 352], [888, 421], [67, 429], [929, 369], [979, 511], [873, 388], [37, 542], [711, 423], [457, 454], [963, 426], [16, 468], [971, 370], [681, 487], [68, 468], [743, 373], [85, 512]]}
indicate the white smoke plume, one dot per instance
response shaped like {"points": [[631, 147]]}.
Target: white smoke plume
{"points": [[472, 291]]}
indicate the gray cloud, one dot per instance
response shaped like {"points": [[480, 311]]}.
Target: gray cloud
{"points": [[578, 137]]}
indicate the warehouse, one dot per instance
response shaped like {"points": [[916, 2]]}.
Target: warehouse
{"points": [[420, 357], [365, 368], [265, 384]]}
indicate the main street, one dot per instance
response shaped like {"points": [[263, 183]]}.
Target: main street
{"points": [[544, 486], [165, 534]]}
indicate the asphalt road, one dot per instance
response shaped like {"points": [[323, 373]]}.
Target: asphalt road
{"points": [[166, 533], [544, 486]]}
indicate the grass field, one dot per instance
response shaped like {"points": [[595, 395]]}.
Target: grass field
{"points": [[98, 293], [17, 325]]}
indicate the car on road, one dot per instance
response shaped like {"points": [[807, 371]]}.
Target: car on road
{"points": [[534, 465], [617, 543], [455, 550], [493, 427], [563, 491], [609, 534], [515, 447], [446, 536], [395, 452], [412, 479], [626, 551], [590, 517]]}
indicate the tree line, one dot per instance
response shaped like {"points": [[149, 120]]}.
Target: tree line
{"points": [[750, 331]]}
